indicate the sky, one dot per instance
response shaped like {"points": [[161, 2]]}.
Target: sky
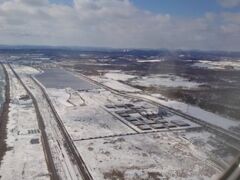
{"points": [[172, 24]]}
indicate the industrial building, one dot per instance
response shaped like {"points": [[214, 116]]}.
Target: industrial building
{"points": [[145, 118]]}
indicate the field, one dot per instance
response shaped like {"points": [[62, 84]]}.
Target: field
{"points": [[122, 115]]}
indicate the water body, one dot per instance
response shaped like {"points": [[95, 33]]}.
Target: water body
{"points": [[60, 79], [2, 83]]}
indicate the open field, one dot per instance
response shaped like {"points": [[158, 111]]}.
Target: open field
{"points": [[117, 116], [160, 155], [101, 137], [88, 120]]}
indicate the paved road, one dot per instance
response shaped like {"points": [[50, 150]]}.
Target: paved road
{"points": [[70, 144], [72, 150], [46, 147]]}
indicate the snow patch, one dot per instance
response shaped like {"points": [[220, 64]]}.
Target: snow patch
{"points": [[167, 80]]}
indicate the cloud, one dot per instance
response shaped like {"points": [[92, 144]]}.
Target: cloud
{"points": [[230, 3], [115, 23], [231, 17]]}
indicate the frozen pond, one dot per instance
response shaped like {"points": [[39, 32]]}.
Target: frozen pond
{"points": [[60, 79]]}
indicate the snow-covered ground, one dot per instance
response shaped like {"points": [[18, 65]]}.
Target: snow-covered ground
{"points": [[114, 84], [150, 60], [23, 160], [88, 120], [111, 79], [195, 111], [60, 96], [66, 169], [131, 157], [120, 86], [26, 70], [215, 147], [145, 156], [171, 81], [119, 76], [173, 155], [167, 80], [2, 85], [218, 64], [160, 96]]}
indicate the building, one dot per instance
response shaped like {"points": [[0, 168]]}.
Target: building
{"points": [[162, 112]]}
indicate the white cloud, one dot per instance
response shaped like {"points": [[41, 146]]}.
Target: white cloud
{"points": [[116, 23]]}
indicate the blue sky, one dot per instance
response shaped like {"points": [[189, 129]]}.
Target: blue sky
{"points": [[180, 8], [68, 2], [192, 8]]}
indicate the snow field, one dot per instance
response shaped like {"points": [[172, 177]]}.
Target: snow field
{"points": [[132, 157], [23, 160]]}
